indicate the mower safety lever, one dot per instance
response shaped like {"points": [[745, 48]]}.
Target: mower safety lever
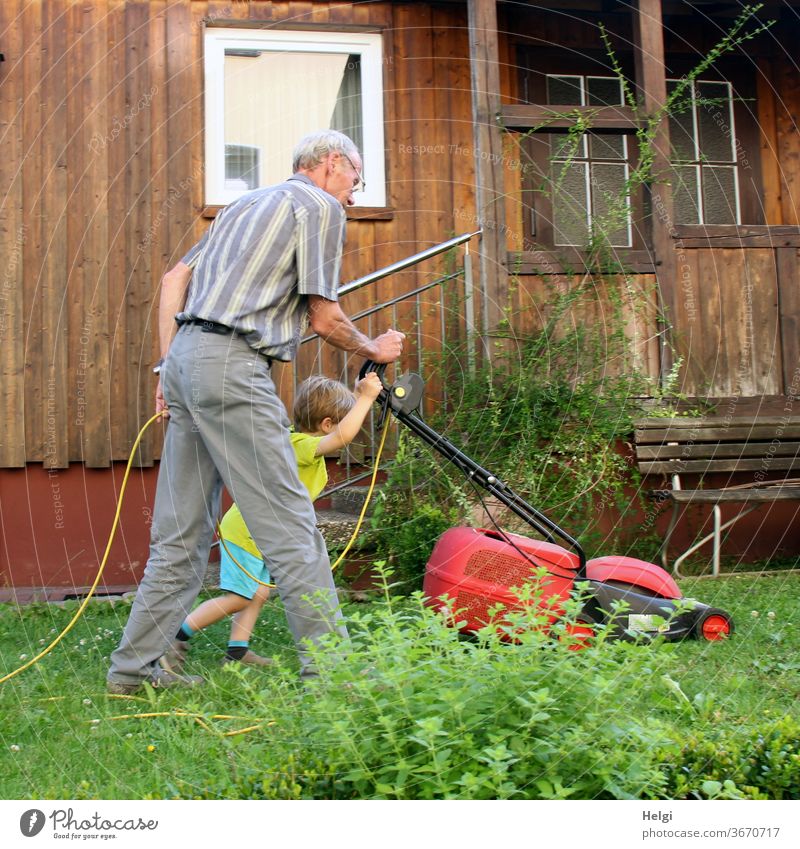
{"points": [[384, 398], [378, 368], [403, 396]]}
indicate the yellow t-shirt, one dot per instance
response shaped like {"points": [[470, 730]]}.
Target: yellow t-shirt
{"points": [[313, 475]]}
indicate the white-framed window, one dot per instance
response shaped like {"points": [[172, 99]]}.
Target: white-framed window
{"points": [[705, 182], [589, 175], [265, 89]]}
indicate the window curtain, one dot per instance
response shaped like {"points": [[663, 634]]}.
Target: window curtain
{"points": [[347, 112], [273, 98]]}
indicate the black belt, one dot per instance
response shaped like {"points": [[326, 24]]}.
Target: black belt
{"points": [[207, 326]]}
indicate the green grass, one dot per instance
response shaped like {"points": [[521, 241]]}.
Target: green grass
{"points": [[758, 671], [59, 738]]}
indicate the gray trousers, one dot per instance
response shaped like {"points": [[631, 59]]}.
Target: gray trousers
{"points": [[226, 426]]}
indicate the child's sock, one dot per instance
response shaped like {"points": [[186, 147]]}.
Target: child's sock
{"points": [[185, 633], [237, 649]]}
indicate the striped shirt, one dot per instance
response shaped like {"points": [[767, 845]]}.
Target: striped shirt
{"points": [[262, 257]]}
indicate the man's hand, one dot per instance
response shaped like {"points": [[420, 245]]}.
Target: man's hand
{"points": [[161, 404], [388, 346]]}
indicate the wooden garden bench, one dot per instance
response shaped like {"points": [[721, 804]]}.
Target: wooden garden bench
{"points": [[764, 448]]}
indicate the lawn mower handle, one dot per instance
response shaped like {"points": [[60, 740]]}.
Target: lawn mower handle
{"points": [[404, 407], [378, 368]]}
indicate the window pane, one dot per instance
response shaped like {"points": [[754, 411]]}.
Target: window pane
{"points": [[610, 209], [714, 120], [241, 167], [607, 147], [274, 98], [604, 91], [681, 125], [684, 194], [567, 147], [564, 91], [570, 204], [719, 195]]}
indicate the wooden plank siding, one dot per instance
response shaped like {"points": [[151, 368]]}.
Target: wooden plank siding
{"points": [[787, 88], [102, 120], [430, 184], [14, 234], [788, 263], [729, 322], [53, 224], [76, 156], [139, 92], [102, 190], [768, 141], [94, 361], [33, 254], [114, 143]]}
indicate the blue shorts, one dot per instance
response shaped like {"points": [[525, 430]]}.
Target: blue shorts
{"points": [[231, 577]]}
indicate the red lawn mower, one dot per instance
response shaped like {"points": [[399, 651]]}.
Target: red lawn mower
{"points": [[475, 568]]}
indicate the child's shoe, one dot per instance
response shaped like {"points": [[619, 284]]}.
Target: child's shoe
{"points": [[174, 657]]}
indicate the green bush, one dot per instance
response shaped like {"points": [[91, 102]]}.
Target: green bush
{"points": [[761, 762], [413, 711]]}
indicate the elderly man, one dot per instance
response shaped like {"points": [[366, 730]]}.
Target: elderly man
{"points": [[241, 298]]}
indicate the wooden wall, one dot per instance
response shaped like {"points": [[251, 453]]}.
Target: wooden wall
{"points": [[779, 117], [102, 190], [736, 326], [738, 321]]}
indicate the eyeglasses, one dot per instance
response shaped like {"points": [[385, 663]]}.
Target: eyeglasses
{"points": [[360, 176]]}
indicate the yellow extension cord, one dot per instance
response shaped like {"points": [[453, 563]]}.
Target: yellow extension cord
{"points": [[115, 523]]}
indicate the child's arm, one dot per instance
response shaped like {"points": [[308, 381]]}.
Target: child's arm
{"points": [[367, 390]]}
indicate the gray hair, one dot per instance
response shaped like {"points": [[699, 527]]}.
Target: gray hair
{"points": [[314, 147]]}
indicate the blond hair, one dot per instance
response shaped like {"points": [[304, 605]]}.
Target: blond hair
{"points": [[317, 398]]}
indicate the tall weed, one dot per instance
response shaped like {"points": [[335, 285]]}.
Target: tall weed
{"points": [[546, 416], [414, 711]]}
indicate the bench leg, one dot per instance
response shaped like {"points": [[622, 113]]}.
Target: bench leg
{"points": [[664, 545], [716, 535], [717, 540]]}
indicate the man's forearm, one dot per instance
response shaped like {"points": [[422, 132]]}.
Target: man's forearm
{"points": [[174, 287], [335, 327], [343, 334]]}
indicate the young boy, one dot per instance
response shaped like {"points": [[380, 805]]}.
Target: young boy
{"points": [[327, 416]]}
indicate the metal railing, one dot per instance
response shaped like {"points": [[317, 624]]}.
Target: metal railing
{"points": [[454, 287]]}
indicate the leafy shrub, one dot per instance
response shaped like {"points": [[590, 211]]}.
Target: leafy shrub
{"points": [[413, 711], [761, 762]]}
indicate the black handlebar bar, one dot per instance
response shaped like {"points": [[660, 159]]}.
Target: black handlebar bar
{"points": [[408, 391]]}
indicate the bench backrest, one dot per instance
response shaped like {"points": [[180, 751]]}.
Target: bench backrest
{"points": [[736, 444]]}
